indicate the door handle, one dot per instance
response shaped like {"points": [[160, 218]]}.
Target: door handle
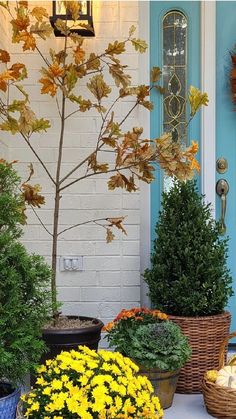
{"points": [[222, 188]]}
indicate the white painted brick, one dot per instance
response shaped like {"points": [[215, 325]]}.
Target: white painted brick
{"points": [[100, 294], [130, 304], [110, 279], [49, 155], [131, 200], [130, 263], [81, 124], [77, 279], [90, 309], [128, 14], [101, 202], [75, 248], [131, 248], [111, 263], [106, 14], [68, 294], [42, 248], [133, 232], [102, 188], [32, 232], [104, 248], [105, 28], [109, 310], [103, 344], [130, 278], [131, 293]]}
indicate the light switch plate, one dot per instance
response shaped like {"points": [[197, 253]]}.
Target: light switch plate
{"points": [[71, 263]]}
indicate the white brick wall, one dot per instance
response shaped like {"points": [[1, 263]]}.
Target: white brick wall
{"points": [[110, 279]]}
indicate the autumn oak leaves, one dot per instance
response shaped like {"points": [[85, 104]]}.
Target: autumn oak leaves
{"points": [[61, 74]]}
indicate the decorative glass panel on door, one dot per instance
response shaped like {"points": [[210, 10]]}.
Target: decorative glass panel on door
{"points": [[174, 78], [175, 75]]}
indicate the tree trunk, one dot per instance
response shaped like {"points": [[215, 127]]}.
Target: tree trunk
{"points": [[56, 214], [54, 252]]}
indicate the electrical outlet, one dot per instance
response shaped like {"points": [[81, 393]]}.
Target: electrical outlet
{"points": [[71, 263]]}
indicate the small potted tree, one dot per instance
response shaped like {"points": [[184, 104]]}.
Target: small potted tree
{"points": [[189, 278], [24, 297], [156, 345], [64, 74]]}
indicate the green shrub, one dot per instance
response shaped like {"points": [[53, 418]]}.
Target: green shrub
{"points": [[24, 297], [188, 275], [11, 201], [160, 345]]}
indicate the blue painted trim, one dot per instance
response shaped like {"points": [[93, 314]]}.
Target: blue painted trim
{"points": [[157, 11]]}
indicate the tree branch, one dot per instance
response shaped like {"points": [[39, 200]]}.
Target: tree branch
{"points": [[97, 149], [38, 158], [58, 107], [128, 114], [102, 173], [41, 222], [83, 223]]}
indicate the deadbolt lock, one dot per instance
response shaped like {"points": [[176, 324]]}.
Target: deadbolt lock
{"points": [[221, 165]]}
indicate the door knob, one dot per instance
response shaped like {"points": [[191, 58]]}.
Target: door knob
{"points": [[222, 188]]}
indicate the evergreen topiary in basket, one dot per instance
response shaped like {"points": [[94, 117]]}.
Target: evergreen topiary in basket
{"points": [[189, 278]]}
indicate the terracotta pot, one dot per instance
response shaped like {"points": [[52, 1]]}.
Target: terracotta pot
{"points": [[164, 384], [205, 336]]}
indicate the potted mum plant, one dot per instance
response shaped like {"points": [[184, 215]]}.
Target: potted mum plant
{"points": [[156, 345], [24, 298], [90, 384], [189, 278], [63, 75]]}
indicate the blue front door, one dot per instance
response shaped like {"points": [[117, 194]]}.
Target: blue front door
{"points": [[225, 122], [226, 125]]}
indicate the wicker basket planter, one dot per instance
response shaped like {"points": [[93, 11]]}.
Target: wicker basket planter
{"points": [[220, 401], [205, 335], [8, 404]]}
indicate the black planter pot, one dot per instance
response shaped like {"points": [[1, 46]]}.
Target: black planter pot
{"points": [[58, 340]]}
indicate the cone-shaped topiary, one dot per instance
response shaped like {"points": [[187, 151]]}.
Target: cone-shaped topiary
{"points": [[189, 275]]}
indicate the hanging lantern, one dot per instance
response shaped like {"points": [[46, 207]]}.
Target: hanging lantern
{"points": [[83, 26]]}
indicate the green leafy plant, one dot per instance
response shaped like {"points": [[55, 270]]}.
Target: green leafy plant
{"points": [[189, 274], [161, 346], [62, 75], [24, 298], [149, 338]]}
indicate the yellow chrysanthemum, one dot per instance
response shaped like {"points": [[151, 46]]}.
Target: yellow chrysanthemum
{"points": [[92, 384]]}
